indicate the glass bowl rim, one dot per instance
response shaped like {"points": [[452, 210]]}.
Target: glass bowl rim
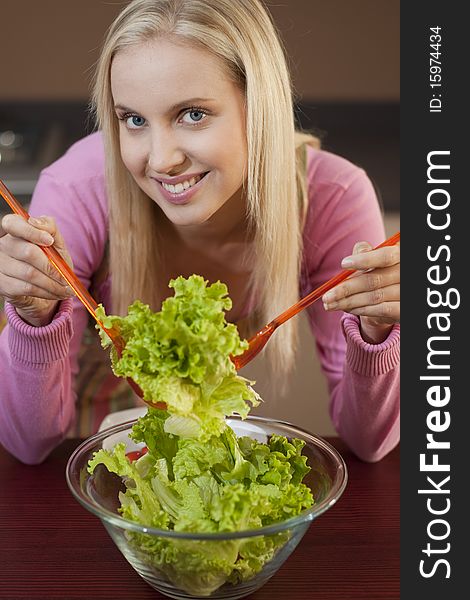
{"points": [[305, 516]]}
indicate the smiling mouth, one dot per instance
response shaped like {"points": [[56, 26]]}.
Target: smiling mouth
{"points": [[184, 185]]}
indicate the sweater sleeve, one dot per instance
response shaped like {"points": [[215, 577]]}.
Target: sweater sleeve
{"points": [[38, 364], [36, 400], [363, 379]]}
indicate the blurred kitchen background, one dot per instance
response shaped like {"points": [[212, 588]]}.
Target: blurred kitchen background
{"points": [[344, 57]]}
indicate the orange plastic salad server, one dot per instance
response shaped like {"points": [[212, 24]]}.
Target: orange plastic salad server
{"points": [[259, 340]]}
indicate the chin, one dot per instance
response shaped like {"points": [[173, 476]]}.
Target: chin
{"points": [[193, 222], [187, 218]]}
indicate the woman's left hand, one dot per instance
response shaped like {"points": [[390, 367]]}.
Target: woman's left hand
{"points": [[373, 293]]}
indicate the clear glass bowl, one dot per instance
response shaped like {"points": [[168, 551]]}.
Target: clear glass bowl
{"points": [[98, 493]]}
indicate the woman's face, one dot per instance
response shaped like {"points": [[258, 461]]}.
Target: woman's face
{"points": [[182, 128]]}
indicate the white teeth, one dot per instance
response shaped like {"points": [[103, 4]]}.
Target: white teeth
{"points": [[181, 187]]}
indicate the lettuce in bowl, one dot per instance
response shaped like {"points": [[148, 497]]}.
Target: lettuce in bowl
{"points": [[220, 485]]}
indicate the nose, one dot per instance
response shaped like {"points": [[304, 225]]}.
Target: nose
{"points": [[166, 157]]}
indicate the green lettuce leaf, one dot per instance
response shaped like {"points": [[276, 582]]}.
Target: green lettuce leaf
{"points": [[181, 356], [138, 503]]}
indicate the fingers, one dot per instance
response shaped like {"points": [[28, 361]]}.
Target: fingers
{"points": [[17, 227], [369, 287], [390, 293], [360, 247], [41, 231], [374, 290], [385, 312], [37, 287], [26, 255], [364, 258], [49, 226], [24, 268], [36, 276]]}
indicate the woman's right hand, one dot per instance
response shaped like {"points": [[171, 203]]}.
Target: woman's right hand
{"points": [[27, 279]]}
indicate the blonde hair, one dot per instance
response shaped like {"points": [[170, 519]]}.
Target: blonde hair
{"points": [[241, 33]]}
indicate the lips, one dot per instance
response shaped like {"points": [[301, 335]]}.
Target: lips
{"points": [[179, 190], [178, 187]]}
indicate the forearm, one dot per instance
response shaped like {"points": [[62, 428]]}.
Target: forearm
{"points": [[365, 400], [36, 399]]}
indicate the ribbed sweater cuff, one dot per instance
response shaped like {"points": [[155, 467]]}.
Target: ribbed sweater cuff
{"points": [[366, 359], [40, 345]]}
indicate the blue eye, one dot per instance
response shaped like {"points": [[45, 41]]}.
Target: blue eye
{"points": [[195, 115], [134, 121]]}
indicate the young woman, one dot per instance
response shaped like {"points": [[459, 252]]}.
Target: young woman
{"points": [[197, 168]]}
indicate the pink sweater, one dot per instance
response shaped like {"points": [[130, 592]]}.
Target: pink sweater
{"points": [[38, 365]]}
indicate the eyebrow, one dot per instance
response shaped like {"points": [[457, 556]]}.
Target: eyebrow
{"points": [[175, 107]]}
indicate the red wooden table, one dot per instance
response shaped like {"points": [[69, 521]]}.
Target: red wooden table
{"points": [[51, 547]]}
